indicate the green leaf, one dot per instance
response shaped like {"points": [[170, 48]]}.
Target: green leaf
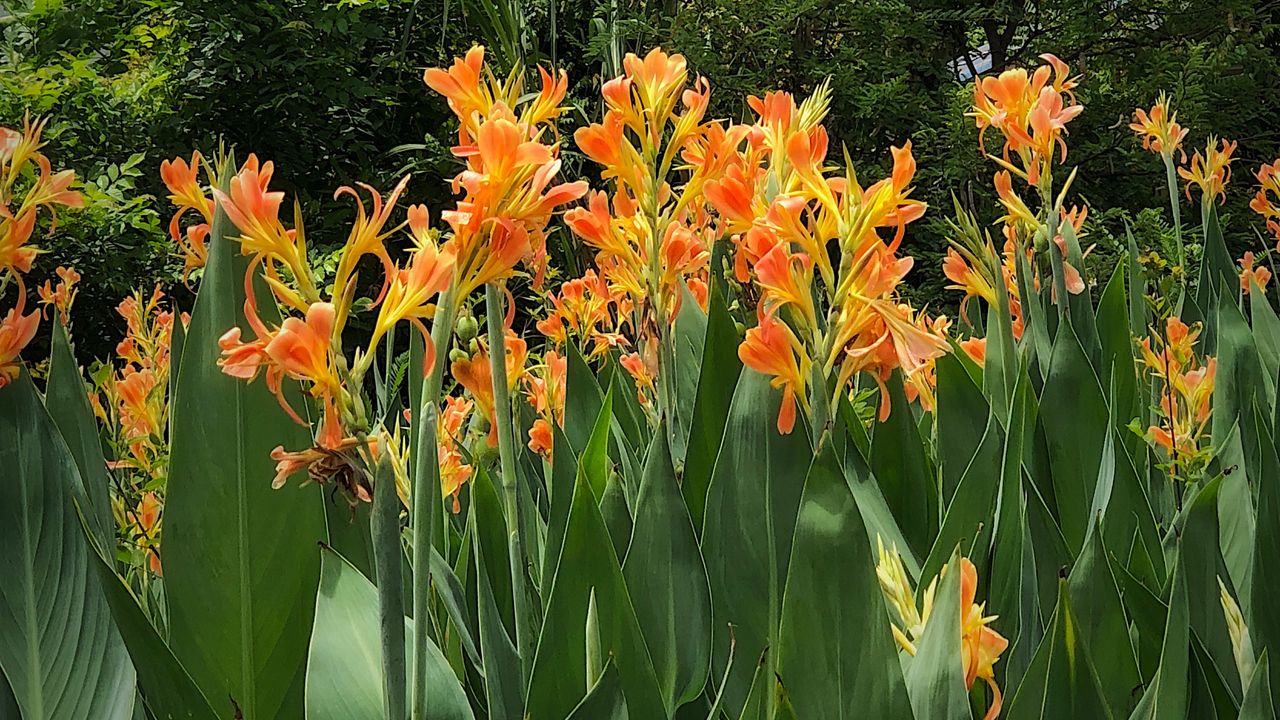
{"points": [[68, 404], [588, 564], [689, 343], [876, 515], [838, 658], [1204, 566], [1074, 419], [617, 516], [239, 558], [664, 562], [1166, 696], [1264, 621], [1095, 598], [750, 520], [935, 676], [1257, 703], [167, 689], [960, 401], [564, 472], [503, 682], [969, 514], [1266, 330], [720, 371], [1062, 682], [344, 664], [902, 467], [605, 701], [59, 647], [1240, 375], [583, 399]]}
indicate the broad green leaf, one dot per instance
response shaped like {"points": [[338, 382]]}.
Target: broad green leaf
{"points": [[583, 398], [1095, 598], [503, 682], [664, 568], [935, 676], [491, 539], [1062, 682], [838, 658], [876, 515], [1204, 566], [1166, 696], [969, 515], [1264, 622], [959, 403], [1073, 415], [1013, 593], [1137, 288], [1258, 703], [617, 515], [1218, 276], [588, 565], [1240, 380], [750, 521], [59, 647], [67, 401], [1266, 330], [344, 664], [688, 338], [720, 370], [1128, 512], [605, 701], [167, 689], [1117, 372], [564, 471], [239, 558], [902, 467]]}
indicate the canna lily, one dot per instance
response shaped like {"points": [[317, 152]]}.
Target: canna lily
{"points": [[545, 388], [1159, 128], [476, 375], [449, 432], [1263, 202], [1210, 172], [1250, 277], [185, 191], [980, 645], [60, 297], [16, 331], [1031, 111], [771, 348]]}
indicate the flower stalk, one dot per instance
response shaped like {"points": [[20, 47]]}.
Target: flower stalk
{"points": [[493, 300]]}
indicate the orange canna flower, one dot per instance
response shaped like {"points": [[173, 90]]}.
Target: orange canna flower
{"points": [[1250, 276], [1262, 203], [449, 433], [61, 296], [185, 191], [1211, 171], [16, 331], [1030, 110], [1159, 128], [771, 349], [976, 348]]}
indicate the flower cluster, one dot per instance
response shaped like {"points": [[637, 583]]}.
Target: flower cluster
{"points": [[980, 645], [1251, 276], [1031, 111], [1267, 201], [23, 193], [819, 316], [1211, 171], [186, 192], [1186, 389], [1159, 128], [131, 400]]}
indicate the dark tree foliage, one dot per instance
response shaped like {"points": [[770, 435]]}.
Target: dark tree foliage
{"points": [[332, 92]]}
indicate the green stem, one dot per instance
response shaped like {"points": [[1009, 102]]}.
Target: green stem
{"points": [[1171, 179], [387, 564], [425, 494], [507, 459]]}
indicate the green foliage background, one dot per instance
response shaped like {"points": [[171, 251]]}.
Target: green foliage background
{"points": [[332, 92]]}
